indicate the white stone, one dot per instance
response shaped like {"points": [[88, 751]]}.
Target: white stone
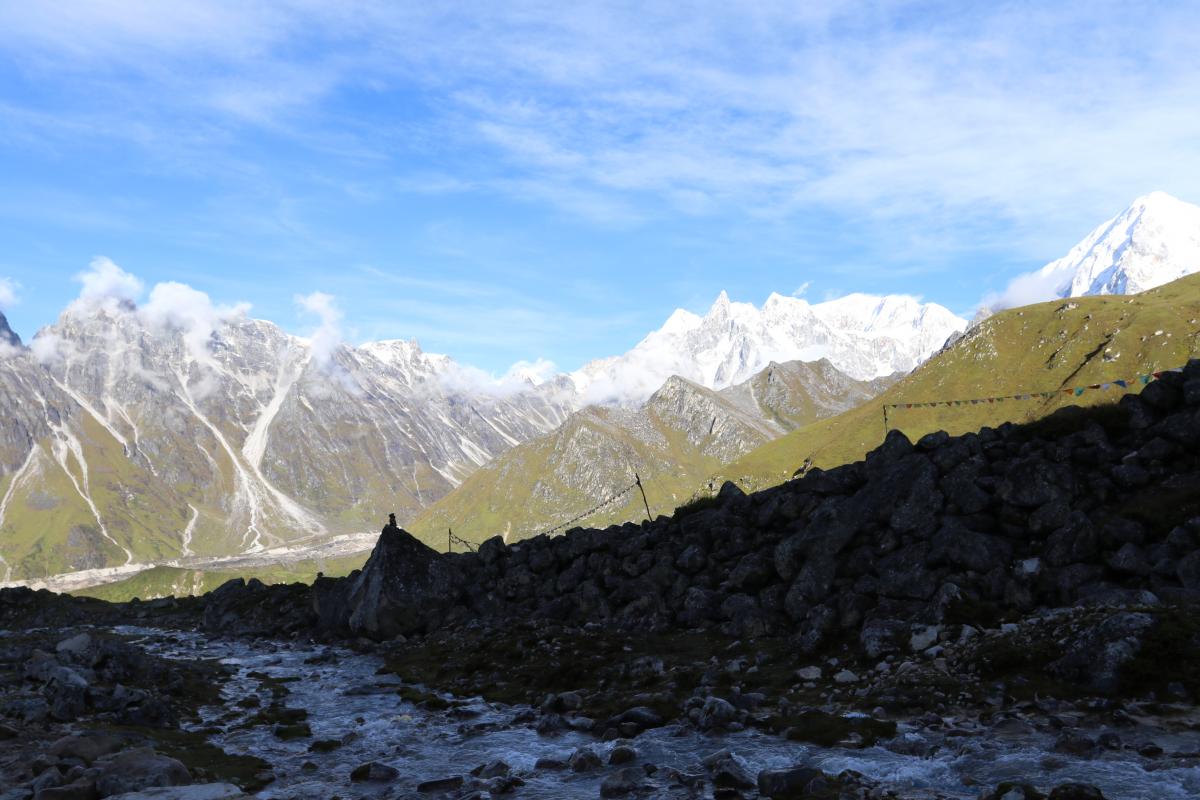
{"points": [[845, 676], [75, 645], [924, 638]]}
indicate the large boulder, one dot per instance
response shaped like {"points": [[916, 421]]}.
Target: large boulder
{"points": [[406, 587], [1095, 656], [139, 769]]}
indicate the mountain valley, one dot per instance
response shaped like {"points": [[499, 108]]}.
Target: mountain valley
{"points": [[138, 436]]}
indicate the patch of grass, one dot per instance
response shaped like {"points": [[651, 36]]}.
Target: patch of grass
{"points": [[159, 582], [423, 698], [197, 753], [696, 504]]}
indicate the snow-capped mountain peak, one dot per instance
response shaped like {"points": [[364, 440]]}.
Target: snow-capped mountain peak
{"points": [[866, 336], [1154, 241], [681, 321]]}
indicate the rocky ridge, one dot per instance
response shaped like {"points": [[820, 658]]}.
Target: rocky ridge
{"points": [[1100, 504], [130, 440], [7, 335], [675, 441]]}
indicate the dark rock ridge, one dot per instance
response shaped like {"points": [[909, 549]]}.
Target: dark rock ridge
{"points": [[1087, 506], [8, 335]]}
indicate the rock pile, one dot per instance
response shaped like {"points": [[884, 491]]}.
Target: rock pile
{"points": [[1098, 505], [82, 715]]}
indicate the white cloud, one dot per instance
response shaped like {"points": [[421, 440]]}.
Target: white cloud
{"points": [[47, 348], [107, 285], [328, 335], [523, 376], [802, 289], [177, 306], [534, 372], [896, 109], [1033, 287], [8, 293]]}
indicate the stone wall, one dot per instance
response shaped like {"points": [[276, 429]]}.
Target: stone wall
{"points": [[1099, 505]]}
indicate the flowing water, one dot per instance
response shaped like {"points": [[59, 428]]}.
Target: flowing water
{"points": [[346, 700]]}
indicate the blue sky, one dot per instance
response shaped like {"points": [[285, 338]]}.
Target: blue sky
{"points": [[523, 180]]}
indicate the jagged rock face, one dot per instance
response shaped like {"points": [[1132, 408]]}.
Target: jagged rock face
{"points": [[404, 588], [710, 423], [7, 335], [796, 393], [1099, 505], [675, 441], [129, 441]]}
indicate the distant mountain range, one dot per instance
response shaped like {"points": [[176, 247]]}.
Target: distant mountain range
{"points": [[545, 479], [129, 437], [863, 336], [133, 436]]}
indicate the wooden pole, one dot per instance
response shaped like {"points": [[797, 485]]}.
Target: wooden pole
{"points": [[645, 502]]}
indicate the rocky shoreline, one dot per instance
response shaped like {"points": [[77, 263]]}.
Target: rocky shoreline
{"points": [[1037, 580]]}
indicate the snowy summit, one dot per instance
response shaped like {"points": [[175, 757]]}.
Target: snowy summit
{"points": [[1153, 242]]}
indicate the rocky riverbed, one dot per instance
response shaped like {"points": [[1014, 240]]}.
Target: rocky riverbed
{"points": [[216, 718]]}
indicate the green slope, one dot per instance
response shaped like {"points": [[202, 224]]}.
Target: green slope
{"points": [[542, 483], [1043, 347], [178, 581], [675, 442]]}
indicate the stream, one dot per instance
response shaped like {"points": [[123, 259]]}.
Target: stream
{"points": [[346, 700]]}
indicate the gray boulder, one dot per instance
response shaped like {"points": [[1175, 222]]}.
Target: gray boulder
{"points": [[406, 587], [1094, 657], [138, 769]]}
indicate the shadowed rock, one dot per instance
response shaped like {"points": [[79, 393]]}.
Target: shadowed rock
{"points": [[405, 587]]}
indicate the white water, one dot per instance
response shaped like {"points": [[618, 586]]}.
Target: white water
{"points": [[345, 699]]}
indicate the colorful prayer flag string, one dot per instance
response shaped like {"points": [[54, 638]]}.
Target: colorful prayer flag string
{"points": [[1076, 391]]}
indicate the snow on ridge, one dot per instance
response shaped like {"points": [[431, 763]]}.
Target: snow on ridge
{"points": [[1154, 241], [866, 336]]}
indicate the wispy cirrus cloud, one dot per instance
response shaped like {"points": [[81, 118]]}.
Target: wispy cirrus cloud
{"points": [[936, 136], [893, 108]]}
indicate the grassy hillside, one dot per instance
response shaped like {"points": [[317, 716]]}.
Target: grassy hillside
{"points": [[178, 581], [547, 481], [1044, 347], [681, 437]]}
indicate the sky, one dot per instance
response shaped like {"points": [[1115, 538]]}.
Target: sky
{"points": [[524, 180]]}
